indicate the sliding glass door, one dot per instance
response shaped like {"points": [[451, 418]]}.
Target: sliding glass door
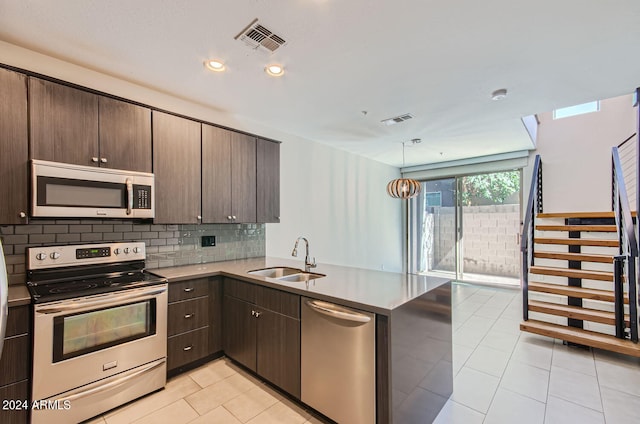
{"points": [[467, 228]]}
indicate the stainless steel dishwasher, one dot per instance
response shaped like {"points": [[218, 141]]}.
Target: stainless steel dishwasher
{"points": [[338, 362]]}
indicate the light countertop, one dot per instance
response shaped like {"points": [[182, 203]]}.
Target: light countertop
{"points": [[375, 291], [18, 295]]}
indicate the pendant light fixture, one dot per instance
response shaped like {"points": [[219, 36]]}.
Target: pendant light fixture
{"points": [[404, 188]]}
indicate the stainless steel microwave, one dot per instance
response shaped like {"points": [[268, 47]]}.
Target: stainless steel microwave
{"points": [[72, 191]]}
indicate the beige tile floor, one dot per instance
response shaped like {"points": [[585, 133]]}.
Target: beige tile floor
{"points": [[501, 376]]}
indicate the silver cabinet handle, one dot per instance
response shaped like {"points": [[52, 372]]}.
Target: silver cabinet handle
{"points": [[187, 349], [94, 159], [103, 387], [199, 217], [188, 289], [229, 218], [103, 160], [22, 215], [337, 311], [129, 195], [187, 316]]}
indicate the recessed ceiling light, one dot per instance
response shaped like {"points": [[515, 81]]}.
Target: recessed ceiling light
{"points": [[274, 70], [499, 94], [215, 65]]}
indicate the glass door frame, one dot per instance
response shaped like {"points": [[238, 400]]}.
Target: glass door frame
{"points": [[412, 217]]}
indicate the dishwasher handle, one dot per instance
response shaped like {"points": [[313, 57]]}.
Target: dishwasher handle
{"points": [[336, 311]]}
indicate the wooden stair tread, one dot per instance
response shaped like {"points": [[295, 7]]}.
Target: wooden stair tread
{"points": [[574, 273], [575, 312], [581, 292], [567, 256], [607, 214], [583, 337], [590, 228], [577, 241]]}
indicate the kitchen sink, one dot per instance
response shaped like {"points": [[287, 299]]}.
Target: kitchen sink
{"points": [[275, 272], [301, 277]]}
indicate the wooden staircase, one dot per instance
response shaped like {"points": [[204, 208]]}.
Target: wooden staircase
{"points": [[570, 284]]}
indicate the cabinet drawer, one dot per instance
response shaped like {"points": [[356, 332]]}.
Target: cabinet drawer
{"points": [[188, 315], [240, 290], [278, 301], [18, 321], [15, 362], [187, 347], [188, 289], [17, 394]]}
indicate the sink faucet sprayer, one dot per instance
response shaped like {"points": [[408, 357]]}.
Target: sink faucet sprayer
{"points": [[307, 263]]}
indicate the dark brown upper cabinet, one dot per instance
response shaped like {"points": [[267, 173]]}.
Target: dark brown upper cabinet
{"points": [[176, 165], [125, 135], [63, 123], [228, 176], [74, 126], [14, 148], [268, 181]]}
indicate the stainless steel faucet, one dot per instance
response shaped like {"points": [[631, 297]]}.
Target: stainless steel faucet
{"points": [[307, 263]]}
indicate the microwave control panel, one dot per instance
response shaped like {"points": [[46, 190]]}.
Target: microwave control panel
{"points": [[142, 197]]}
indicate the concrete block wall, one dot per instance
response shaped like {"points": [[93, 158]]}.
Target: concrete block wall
{"points": [[489, 239], [166, 245]]}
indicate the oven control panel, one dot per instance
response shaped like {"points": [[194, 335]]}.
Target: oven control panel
{"points": [[94, 252], [84, 254]]}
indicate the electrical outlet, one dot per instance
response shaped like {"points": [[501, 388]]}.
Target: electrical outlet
{"points": [[208, 241]]}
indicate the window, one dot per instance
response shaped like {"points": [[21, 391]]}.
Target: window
{"points": [[566, 112], [433, 198]]}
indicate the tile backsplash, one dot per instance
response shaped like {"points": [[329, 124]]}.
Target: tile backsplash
{"points": [[166, 245]]}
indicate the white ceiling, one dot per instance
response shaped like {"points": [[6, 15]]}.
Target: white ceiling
{"points": [[439, 60]]}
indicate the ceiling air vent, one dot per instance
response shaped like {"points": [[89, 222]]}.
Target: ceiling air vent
{"points": [[258, 37], [397, 119]]}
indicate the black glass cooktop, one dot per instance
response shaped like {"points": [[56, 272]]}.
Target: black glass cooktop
{"points": [[60, 289]]}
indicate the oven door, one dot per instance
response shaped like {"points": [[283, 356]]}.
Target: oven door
{"points": [[80, 341]]}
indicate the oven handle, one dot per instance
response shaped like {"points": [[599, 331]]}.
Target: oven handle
{"points": [[111, 384], [116, 299]]}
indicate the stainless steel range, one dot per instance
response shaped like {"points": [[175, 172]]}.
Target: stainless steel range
{"points": [[100, 329]]}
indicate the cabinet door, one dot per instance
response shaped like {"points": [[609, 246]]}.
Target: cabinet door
{"points": [[268, 181], [216, 174], [243, 176], [125, 135], [14, 145], [278, 350], [63, 123], [239, 336], [176, 165], [18, 412]]}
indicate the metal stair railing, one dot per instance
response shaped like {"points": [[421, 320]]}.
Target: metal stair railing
{"points": [[534, 206], [625, 262]]}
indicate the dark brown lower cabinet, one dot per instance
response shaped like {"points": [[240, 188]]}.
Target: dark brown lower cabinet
{"points": [[240, 331], [278, 350], [193, 323], [15, 403], [186, 348], [15, 366], [262, 332]]}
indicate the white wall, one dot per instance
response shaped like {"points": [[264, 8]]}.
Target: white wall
{"points": [[576, 156], [336, 199]]}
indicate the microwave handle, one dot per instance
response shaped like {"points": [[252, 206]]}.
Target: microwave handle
{"points": [[129, 196]]}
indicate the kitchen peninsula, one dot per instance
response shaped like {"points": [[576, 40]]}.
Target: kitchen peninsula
{"points": [[413, 350]]}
